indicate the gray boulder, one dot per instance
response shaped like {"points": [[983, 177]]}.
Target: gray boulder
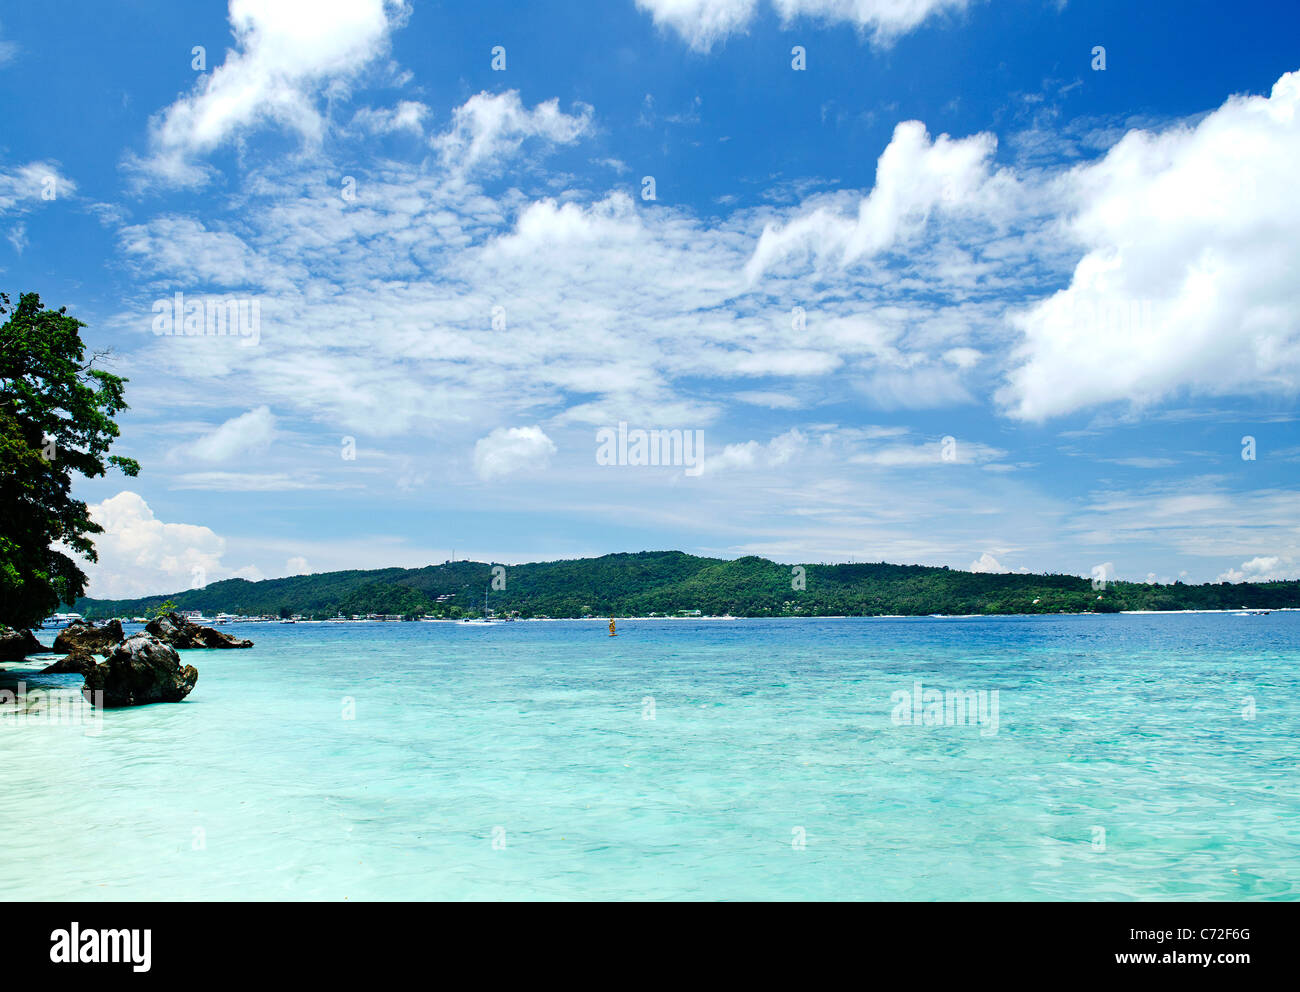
{"points": [[83, 636], [174, 629], [15, 645], [78, 662], [140, 670]]}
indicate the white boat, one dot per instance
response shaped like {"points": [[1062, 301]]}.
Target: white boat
{"points": [[61, 620], [486, 618]]}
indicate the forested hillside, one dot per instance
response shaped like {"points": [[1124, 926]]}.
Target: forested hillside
{"points": [[668, 582]]}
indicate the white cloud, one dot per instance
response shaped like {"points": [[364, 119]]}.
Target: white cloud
{"points": [[915, 176], [1196, 518], [752, 455], [548, 224], [285, 52], [1189, 277], [489, 127], [986, 563], [8, 51], [140, 555], [703, 23], [963, 358], [251, 482], [249, 432], [25, 187], [935, 453], [378, 315], [771, 400], [884, 19], [182, 248], [408, 115], [915, 389], [1272, 568], [297, 566], [508, 450]]}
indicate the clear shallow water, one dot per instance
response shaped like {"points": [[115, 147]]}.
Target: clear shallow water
{"points": [[1131, 724]]}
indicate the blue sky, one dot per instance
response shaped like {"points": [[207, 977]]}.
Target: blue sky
{"points": [[1084, 279]]}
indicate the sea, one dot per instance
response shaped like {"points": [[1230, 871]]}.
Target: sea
{"points": [[1109, 757]]}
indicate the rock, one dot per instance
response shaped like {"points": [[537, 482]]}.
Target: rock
{"points": [[140, 670], [173, 629], [78, 662], [15, 645], [81, 635]]}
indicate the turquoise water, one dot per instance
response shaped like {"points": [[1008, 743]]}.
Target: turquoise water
{"points": [[518, 761]]}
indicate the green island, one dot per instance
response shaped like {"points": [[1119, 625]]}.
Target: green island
{"points": [[672, 584]]}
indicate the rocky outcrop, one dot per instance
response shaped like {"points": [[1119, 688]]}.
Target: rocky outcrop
{"points": [[173, 629], [140, 670], [83, 636], [79, 663], [15, 645]]}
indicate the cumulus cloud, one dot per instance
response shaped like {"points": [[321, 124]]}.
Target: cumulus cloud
{"points": [[489, 127], [249, 432], [548, 224], [1189, 278], [285, 52], [986, 563], [1271, 568], [1103, 573], [508, 450], [915, 176], [374, 312], [140, 555], [297, 566], [703, 23], [753, 455], [963, 358], [617, 310]]}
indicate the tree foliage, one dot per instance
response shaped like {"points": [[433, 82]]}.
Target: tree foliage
{"points": [[669, 582], [57, 415]]}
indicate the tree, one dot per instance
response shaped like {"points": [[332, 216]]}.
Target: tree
{"points": [[56, 421]]}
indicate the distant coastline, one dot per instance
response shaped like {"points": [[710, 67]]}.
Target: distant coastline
{"points": [[675, 585]]}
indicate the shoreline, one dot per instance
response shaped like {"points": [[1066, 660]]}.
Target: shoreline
{"points": [[1247, 611]]}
